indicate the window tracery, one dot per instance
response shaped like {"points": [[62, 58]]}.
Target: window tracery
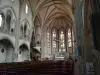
{"points": [[62, 41], [48, 39], [69, 38], [54, 36], [25, 30]]}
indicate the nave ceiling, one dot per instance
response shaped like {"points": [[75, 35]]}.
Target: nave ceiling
{"points": [[52, 13]]}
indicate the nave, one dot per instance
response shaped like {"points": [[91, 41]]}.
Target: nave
{"points": [[39, 68]]}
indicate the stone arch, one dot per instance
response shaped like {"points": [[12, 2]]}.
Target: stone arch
{"points": [[23, 53], [37, 24], [7, 50], [6, 7], [6, 37], [25, 28], [10, 18], [37, 21]]}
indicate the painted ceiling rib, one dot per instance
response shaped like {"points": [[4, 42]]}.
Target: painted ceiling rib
{"points": [[51, 12], [69, 23], [45, 15], [63, 22], [48, 21], [66, 20], [58, 13], [67, 3], [38, 19], [64, 7], [51, 23], [54, 3], [55, 13], [59, 24], [42, 4]]}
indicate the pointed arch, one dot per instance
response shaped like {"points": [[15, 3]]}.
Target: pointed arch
{"points": [[37, 20], [25, 28]]}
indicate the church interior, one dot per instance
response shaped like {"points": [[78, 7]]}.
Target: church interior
{"points": [[49, 37]]}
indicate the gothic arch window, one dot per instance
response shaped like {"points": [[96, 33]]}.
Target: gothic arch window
{"points": [[62, 41], [54, 37], [25, 29], [26, 8], [69, 38], [2, 18], [8, 19], [48, 39]]}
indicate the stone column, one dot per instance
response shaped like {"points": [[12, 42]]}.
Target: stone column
{"points": [[42, 45], [88, 48], [17, 32]]}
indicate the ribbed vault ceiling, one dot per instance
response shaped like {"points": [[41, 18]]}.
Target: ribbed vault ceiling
{"points": [[53, 13]]}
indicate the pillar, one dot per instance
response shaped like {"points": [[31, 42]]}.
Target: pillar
{"points": [[17, 32]]}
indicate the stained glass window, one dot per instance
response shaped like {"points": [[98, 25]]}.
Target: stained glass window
{"points": [[48, 39], [62, 41], [69, 39], [54, 35]]}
